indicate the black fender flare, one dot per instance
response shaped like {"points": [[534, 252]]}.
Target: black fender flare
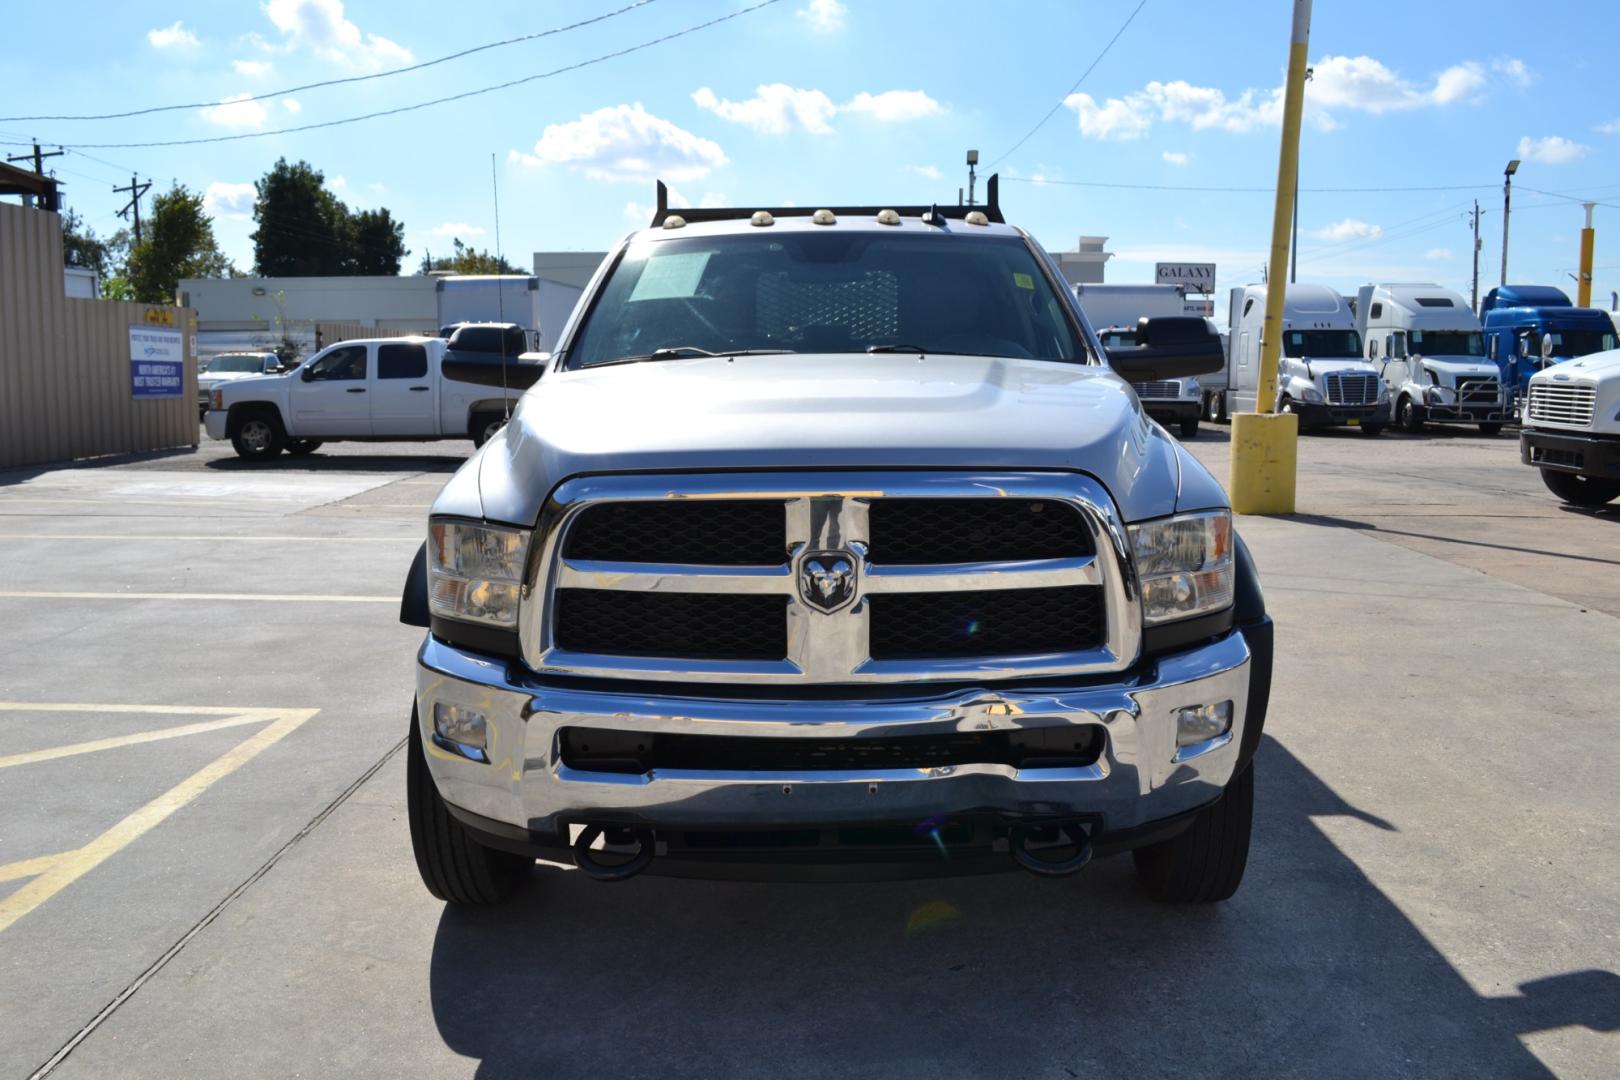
{"points": [[1250, 619], [413, 605]]}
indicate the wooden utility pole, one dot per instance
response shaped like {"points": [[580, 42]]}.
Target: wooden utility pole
{"points": [[1475, 217], [136, 189], [38, 157]]}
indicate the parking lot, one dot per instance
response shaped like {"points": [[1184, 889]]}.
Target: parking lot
{"points": [[205, 868]]}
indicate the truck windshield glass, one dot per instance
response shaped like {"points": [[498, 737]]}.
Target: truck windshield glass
{"points": [[828, 292], [1448, 342], [235, 364], [1322, 343], [1573, 343]]}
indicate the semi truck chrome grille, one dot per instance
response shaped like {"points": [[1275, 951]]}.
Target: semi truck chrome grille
{"points": [[1351, 388], [842, 577], [1477, 392], [1146, 390], [1563, 404]]}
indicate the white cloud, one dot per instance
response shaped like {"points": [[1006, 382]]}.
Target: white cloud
{"points": [[1440, 254], [253, 69], [452, 229], [1365, 84], [711, 200], [321, 27], [172, 37], [637, 214], [893, 106], [927, 172], [1551, 150], [1611, 128], [824, 16], [1116, 118], [1348, 229], [1176, 157], [292, 105], [777, 108], [625, 142], [233, 201], [1514, 70], [237, 113]]}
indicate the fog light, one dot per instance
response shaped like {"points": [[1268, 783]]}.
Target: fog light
{"points": [[1200, 723], [462, 728]]}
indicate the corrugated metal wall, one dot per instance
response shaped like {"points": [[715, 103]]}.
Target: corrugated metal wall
{"points": [[65, 363]]}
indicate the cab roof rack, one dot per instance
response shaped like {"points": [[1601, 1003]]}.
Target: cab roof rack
{"points": [[990, 208]]}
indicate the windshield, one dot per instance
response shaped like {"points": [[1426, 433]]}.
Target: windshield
{"points": [[1322, 344], [828, 292], [1448, 342], [235, 363], [1573, 343]]}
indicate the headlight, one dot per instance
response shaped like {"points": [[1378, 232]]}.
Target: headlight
{"points": [[1383, 391], [475, 572], [216, 398], [1185, 564], [1311, 394]]}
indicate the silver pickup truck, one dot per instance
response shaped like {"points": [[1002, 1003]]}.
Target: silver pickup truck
{"points": [[832, 544]]}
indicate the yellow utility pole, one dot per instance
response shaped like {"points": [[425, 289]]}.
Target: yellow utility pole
{"points": [[1265, 443], [1583, 289]]}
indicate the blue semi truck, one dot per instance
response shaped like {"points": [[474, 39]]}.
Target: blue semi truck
{"points": [[1529, 327]]}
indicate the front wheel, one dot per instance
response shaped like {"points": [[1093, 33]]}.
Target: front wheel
{"points": [[259, 437], [484, 426], [454, 866], [1580, 490], [1409, 416], [1189, 428], [1205, 862], [303, 447], [1490, 430]]}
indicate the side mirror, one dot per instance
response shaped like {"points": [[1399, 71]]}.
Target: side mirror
{"points": [[1524, 346], [308, 374], [1546, 346], [1169, 347]]}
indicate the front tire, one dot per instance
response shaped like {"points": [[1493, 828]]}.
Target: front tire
{"points": [[1204, 863], [259, 437], [303, 447], [1189, 428], [1580, 490], [454, 866], [1409, 416], [1491, 430], [484, 427]]}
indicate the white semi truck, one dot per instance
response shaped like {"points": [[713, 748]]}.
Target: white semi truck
{"points": [[1113, 311], [1429, 348], [1322, 375], [1572, 428]]}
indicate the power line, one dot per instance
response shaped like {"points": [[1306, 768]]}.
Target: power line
{"points": [[1053, 110], [442, 100], [1246, 190], [339, 82], [1571, 198]]}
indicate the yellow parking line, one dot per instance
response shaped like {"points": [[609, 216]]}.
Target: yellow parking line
{"points": [[30, 867], [161, 710], [72, 865], [21, 594], [116, 741], [412, 537]]}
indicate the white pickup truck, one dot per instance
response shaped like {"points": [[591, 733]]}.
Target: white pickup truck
{"points": [[410, 388]]}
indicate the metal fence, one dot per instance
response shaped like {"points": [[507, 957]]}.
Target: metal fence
{"points": [[68, 379]]}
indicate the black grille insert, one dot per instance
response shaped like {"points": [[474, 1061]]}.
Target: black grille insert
{"points": [[933, 531], [1006, 622], [682, 626], [703, 532], [638, 752]]}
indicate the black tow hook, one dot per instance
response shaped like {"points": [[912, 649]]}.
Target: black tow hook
{"points": [[1018, 844], [585, 858]]}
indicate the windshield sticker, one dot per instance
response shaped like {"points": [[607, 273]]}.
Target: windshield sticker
{"points": [[670, 277], [1024, 281]]}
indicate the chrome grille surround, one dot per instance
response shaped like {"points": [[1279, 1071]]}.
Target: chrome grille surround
{"points": [[828, 511], [1351, 388], [1158, 390], [1571, 404]]}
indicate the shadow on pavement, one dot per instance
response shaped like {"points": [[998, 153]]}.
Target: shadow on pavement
{"points": [[1309, 968], [330, 463], [1328, 521]]}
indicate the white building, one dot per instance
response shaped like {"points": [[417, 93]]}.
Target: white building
{"points": [[1084, 265]]}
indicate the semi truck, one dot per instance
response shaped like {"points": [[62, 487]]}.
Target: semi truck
{"points": [[1114, 311], [1322, 375], [1572, 428], [1530, 327], [1429, 349]]}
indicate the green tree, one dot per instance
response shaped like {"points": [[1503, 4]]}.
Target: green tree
{"points": [[178, 242], [468, 260], [81, 246], [379, 242]]}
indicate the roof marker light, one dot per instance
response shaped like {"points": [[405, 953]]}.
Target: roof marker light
{"points": [[762, 217], [976, 217], [888, 217], [824, 217], [674, 221]]}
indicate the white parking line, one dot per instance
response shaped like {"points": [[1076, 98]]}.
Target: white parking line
{"points": [[412, 537], [280, 598]]}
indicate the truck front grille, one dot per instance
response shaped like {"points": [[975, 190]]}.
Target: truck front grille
{"points": [[1477, 392], [827, 578], [1351, 388], [1557, 403], [1146, 390]]}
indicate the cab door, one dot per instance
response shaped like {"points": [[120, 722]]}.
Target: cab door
{"points": [[402, 398], [328, 397]]}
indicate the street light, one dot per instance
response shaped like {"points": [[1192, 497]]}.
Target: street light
{"points": [[972, 160], [1507, 199]]}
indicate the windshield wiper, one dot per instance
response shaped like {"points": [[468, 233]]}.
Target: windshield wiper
{"points": [[682, 352], [918, 349]]}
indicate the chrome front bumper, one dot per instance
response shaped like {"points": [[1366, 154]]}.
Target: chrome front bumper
{"points": [[1141, 777], [214, 423]]}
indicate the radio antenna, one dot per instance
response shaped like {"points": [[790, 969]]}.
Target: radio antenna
{"points": [[500, 284]]}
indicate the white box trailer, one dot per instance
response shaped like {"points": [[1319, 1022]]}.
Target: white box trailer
{"points": [[1112, 311]]}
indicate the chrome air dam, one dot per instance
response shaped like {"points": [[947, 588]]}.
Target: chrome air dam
{"points": [[1140, 777]]}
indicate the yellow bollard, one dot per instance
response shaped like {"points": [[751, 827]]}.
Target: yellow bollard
{"points": [[1264, 458]]}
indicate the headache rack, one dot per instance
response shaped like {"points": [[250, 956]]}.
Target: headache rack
{"points": [[990, 208]]}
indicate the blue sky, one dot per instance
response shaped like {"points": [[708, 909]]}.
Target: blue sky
{"points": [[860, 101]]}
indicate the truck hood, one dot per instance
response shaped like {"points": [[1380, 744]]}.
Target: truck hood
{"points": [[1458, 367], [214, 378], [1600, 366], [1321, 365], [832, 411]]}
